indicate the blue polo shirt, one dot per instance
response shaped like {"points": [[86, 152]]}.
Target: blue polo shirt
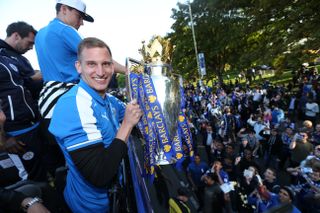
{"points": [[56, 46], [196, 171], [82, 118]]}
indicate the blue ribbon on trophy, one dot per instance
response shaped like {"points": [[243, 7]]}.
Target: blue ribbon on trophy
{"points": [[154, 128], [183, 125], [159, 93], [158, 118], [145, 125]]}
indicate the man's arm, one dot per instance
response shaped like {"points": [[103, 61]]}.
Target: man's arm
{"points": [[37, 76], [11, 144], [118, 68], [293, 142], [16, 201], [99, 164]]}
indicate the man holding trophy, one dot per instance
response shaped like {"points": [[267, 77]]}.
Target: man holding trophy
{"points": [[163, 126], [160, 94], [86, 124]]}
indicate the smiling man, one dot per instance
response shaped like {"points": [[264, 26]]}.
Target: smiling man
{"points": [[86, 124]]}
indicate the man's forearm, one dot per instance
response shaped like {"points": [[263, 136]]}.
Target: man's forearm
{"points": [[10, 199], [94, 162], [124, 132], [37, 75], [118, 68]]}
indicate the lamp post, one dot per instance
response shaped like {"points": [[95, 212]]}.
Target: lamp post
{"points": [[194, 40]]}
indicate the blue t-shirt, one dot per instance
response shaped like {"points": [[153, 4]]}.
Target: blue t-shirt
{"points": [[224, 176], [82, 118], [56, 46], [196, 171]]}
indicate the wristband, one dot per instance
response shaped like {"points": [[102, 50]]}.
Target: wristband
{"points": [[31, 202]]}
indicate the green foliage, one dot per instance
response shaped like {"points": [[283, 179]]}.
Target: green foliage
{"points": [[245, 33], [121, 79]]}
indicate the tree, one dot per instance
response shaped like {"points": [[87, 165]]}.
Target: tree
{"points": [[218, 33], [242, 33]]}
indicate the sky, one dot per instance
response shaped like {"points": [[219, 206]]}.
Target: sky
{"points": [[122, 24]]}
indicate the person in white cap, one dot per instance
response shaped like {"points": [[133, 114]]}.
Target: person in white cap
{"points": [[56, 47]]}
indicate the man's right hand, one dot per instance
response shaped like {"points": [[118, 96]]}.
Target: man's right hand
{"points": [[133, 113], [34, 208], [37, 208]]}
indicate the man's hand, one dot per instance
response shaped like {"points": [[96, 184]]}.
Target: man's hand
{"points": [[131, 118], [2, 118], [237, 161], [133, 113], [37, 208], [34, 208]]}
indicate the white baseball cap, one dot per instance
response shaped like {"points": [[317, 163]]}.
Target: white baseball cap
{"points": [[78, 5]]}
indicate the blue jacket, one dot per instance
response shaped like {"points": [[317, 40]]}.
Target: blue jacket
{"points": [[18, 105], [90, 119]]}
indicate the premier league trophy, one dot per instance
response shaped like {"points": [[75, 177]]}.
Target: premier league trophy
{"points": [[163, 126], [159, 92]]}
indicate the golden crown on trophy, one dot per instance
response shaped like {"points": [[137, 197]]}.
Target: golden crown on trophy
{"points": [[159, 49]]}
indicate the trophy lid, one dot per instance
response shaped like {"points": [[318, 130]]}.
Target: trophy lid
{"points": [[158, 50]]}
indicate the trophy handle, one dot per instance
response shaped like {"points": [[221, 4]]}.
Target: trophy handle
{"points": [[129, 62]]}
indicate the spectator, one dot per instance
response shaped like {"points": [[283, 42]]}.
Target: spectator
{"points": [[309, 195], [195, 171], [19, 40], [273, 148], [213, 195], [286, 138], [14, 201], [217, 168], [286, 197], [277, 115], [263, 199], [247, 185], [21, 134], [300, 147], [217, 151], [311, 111], [249, 140], [244, 162], [307, 127], [179, 204], [208, 140], [14, 177], [270, 179], [228, 127], [315, 136]]}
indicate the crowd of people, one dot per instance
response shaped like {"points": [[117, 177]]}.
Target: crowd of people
{"points": [[261, 142], [62, 116]]}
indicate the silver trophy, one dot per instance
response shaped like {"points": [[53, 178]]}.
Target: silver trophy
{"points": [[166, 85]]}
